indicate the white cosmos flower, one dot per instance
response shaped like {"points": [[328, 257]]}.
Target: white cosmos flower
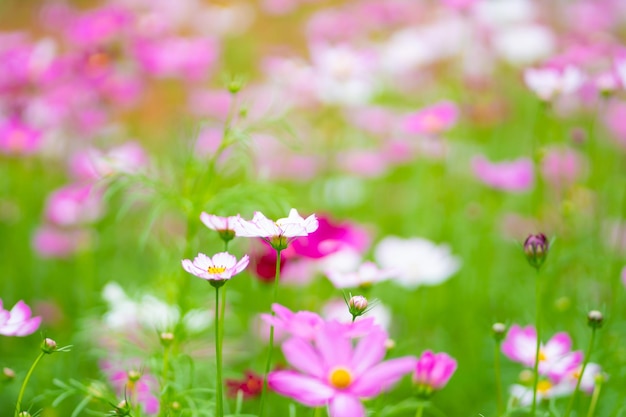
{"points": [[416, 261]]}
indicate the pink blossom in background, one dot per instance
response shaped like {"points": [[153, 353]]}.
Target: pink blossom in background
{"points": [[556, 358], [331, 372], [18, 321], [17, 138], [210, 103], [98, 26], [562, 167], [516, 175], [263, 262], [189, 59], [374, 120], [74, 205], [330, 237], [550, 81], [208, 143], [461, 5], [139, 386], [53, 242], [615, 120], [279, 161], [93, 164], [433, 371], [367, 274], [332, 25], [363, 163], [432, 120]]}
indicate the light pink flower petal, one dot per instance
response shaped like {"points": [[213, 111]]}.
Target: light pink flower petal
{"points": [[302, 356], [520, 344], [214, 222], [242, 264], [369, 351], [382, 376], [343, 405], [224, 259], [560, 367], [559, 345], [309, 391], [28, 327], [334, 346]]}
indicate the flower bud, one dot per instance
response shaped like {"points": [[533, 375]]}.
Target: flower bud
{"points": [[133, 376], [48, 346], [357, 305], [536, 249], [594, 319], [226, 235], [234, 86], [499, 331], [24, 414], [166, 338], [123, 409], [8, 374]]}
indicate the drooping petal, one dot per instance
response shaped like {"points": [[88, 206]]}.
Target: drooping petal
{"points": [[344, 405], [302, 356], [241, 265], [194, 270], [304, 389], [382, 376]]}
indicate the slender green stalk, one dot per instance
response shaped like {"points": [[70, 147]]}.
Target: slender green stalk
{"points": [[268, 363], [166, 356], [420, 410], [18, 405], [219, 410], [533, 407], [319, 412], [496, 366], [582, 372], [594, 398]]}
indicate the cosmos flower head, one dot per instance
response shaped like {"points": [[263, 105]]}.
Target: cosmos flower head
{"points": [[277, 233], [18, 321], [225, 226], [217, 269], [433, 371]]}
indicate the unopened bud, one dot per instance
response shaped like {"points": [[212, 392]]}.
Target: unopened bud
{"points": [[166, 338], [536, 249], [594, 319], [226, 235], [357, 305], [234, 86], [122, 409], [8, 373], [48, 345], [175, 406], [133, 376], [24, 414], [499, 331]]}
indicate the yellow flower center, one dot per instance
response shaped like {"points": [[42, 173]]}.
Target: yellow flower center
{"points": [[542, 356], [216, 269], [543, 387], [340, 377]]}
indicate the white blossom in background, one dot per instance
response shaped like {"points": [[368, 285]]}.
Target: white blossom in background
{"points": [[416, 261]]}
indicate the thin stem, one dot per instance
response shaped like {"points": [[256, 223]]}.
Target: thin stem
{"points": [[496, 366], [219, 412], [420, 410], [166, 356], [538, 344], [594, 398], [271, 344], [318, 412], [582, 372], [18, 405]]}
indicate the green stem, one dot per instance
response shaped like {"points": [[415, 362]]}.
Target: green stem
{"points": [[582, 372], [18, 405], [420, 410], [496, 365], [594, 399], [271, 344], [166, 356], [318, 412], [538, 344], [219, 411]]}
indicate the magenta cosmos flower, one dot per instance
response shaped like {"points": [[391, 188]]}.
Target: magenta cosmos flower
{"points": [[432, 120], [221, 267], [516, 176], [433, 371], [556, 359], [277, 233], [18, 321], [334, 373]]}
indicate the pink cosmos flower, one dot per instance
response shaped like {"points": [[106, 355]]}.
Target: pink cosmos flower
{"points": [[550, 81], [18, 321], [367, 274], [139, 386], [515, 176], [556, 359], [53, 242], [17, 138], [331, 237], [432, 120], [562, 167], [221, 267], [93, 164], [334, 373], [306, 324], [98, 26], [225, 226], [277, 233], [433, 371], [74, 205]]}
